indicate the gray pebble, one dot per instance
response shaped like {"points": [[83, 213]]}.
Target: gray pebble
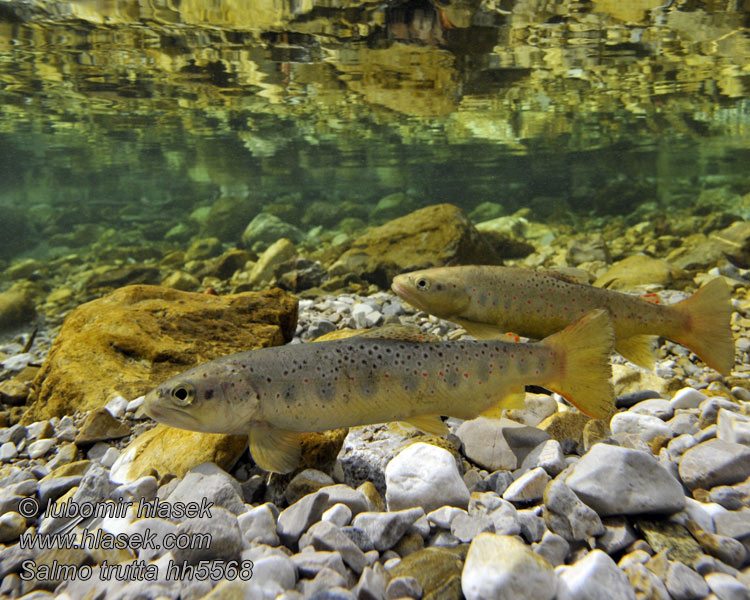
{"points": [[567, 516], [727, 587], [727, 496], [685, 584], [326, 536], [618, 535], [386, 529], [547, 455], [324, 582], [14, 433], [258, 525], [615, 480], [300, 516], [715, 462], [310, 563], [209, 483], [484, 444], [687, 398], [662, 409], [403, 587], [532, 525], [684, 422], [339, 514], [276, 568], [372, 583], [443, 516], [224, 532], [359, 537], [52, 489], [143, 487], [553, 547], [443, 539], [159, 527], [8, 452], [594, 576], [529, 487], [12, 525], [466, 527]]}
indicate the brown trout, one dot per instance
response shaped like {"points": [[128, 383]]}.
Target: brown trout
{"points": [[275, 394], [488, 301]]}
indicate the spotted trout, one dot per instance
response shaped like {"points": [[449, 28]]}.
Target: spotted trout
{"points": [[275, 394], [488, 301]]}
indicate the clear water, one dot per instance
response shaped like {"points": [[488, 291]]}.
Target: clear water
{"points": [[123, 116]]}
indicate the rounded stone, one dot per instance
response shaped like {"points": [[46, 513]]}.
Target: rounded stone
{"points": [[500, 567], [424, 475]]}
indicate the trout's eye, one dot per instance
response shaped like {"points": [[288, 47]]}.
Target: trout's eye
{"points": [[183, 394], [422, 284]]}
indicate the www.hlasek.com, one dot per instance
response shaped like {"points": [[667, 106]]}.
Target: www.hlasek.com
{"points": [[214, 570]]}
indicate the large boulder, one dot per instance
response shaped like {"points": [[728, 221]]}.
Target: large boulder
{"points": [[136, 337], [428, 237]]}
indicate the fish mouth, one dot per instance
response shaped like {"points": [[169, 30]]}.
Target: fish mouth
{"points": [[404, 292], [174, 417]]}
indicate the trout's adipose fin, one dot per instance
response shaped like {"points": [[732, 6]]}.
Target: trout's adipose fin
{"points": [[273, 449], [638, 349], [429, 423]]}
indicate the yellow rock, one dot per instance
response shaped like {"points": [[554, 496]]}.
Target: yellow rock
{"points": [[172, 451], [136, 337]]}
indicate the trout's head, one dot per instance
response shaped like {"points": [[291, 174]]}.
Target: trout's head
{"points": [[211, 398], [436, 291]]}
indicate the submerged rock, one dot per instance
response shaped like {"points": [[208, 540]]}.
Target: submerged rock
{"points": [[171, 451], [138, 336], [445, 236]]}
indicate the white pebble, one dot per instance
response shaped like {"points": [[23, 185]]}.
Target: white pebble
{"points": [[135, 404], [8, 451], [40, 447], [687, 397], [116, 406], [339, 514], [110, 456]]}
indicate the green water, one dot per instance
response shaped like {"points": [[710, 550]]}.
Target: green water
{"points": [[121, 118]]}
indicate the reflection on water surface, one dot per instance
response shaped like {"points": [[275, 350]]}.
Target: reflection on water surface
{"points": [[134, 110]]}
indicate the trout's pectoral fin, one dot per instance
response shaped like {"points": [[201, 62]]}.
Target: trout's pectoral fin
{"points": [[273, 449], [482, 331], [429, 423], [637, 349], [515, 398]]}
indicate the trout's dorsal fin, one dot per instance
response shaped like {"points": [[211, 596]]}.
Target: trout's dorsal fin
{"points": [[404, 333], [481, 331], [637, 349], [273, 449], [515, 398], [430, 423]]}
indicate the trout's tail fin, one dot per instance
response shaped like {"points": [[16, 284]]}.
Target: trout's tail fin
{"points": [[706, 326], [584, 375]]}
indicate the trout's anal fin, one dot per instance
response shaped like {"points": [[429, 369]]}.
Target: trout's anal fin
{"points": [[637, 349], [273, 449], [515, 398], [429, 423]]}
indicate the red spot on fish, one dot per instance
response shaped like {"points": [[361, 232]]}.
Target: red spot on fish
{"points": [[350, 379], [466, 375], [406, 387], [424, 374], [512, 355], [387, 375], [306, 380], [441, 373]]}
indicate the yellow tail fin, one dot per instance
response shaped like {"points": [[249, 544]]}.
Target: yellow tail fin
{"points": [[585, 371], [706, 329]]}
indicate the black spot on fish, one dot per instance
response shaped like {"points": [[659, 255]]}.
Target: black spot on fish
{"points": [[209, 393]]}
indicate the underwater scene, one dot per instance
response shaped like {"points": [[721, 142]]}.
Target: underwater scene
{"points": [[375, 299]]}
